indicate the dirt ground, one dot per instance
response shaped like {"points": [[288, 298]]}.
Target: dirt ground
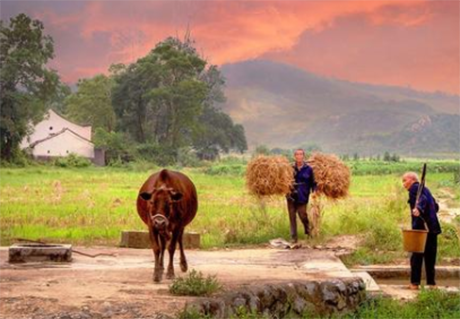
{"points": [[121, 286]]}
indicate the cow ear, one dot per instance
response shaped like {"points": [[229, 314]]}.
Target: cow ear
{"points": [[145, 195], [176, 196]]}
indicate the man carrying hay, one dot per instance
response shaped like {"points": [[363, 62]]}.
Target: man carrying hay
{"points": [[424, 216], [297, 200]]}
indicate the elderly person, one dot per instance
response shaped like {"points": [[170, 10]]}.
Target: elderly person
{"points": [[297, 201], [423, 217]]}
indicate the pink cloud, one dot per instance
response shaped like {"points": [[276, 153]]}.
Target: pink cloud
{"points": [[393, 42], [383, 48]]}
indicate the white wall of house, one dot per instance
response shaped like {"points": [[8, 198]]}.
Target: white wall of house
{"points": [[52, 124], [64, 144]]}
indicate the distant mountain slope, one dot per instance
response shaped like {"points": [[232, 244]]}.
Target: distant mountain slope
{"points": [[281, 105]]}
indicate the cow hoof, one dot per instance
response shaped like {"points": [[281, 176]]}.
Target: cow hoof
{"points": [[183, 266], [170, 275], [158, 276]]}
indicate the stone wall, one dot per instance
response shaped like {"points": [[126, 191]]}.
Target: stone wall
{"points": [[286, 299]]}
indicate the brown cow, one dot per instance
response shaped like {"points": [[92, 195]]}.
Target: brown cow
{"points": [[167, 202]]}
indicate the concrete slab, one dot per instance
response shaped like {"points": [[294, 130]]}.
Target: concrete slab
{"points": [[394, 280], [403, 271], [126, 278]]}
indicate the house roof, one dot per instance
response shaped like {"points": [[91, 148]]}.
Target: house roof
{"points": [[51, 136], [66, 119]]}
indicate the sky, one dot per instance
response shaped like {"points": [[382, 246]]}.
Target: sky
{"points": [[405, 43]]}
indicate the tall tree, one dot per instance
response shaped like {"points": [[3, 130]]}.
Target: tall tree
{"points": [[159, 98], [129, 95], [92, 103], [169, 98], [58, 102], [26, 83], [217, 132]]}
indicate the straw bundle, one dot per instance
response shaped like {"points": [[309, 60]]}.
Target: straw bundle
{"points": [[332, 176], [269, 175], [314, 216]]}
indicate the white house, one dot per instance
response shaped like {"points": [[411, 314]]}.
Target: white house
{"points": [[56, 136]]}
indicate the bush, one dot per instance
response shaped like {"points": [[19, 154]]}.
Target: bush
{"points": [[192, 313], [118, 148], [386, 168], [233, 170], [449, 241], [194, 284], [72, 160], [457, 177], [158, 154], [188, 158], [19, 159]]}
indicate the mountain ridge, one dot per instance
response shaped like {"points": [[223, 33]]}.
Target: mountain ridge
{"points": [[283, 106]]}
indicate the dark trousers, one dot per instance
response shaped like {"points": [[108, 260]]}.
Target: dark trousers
{"points": [[416, 262], [301, 209]]}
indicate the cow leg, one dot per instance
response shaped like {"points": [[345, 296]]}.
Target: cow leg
{"points": [[162, 251], [158, 270], [172, 249], [183, 261]]}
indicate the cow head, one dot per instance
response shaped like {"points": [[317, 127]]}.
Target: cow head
{"points": [[161, 200]]}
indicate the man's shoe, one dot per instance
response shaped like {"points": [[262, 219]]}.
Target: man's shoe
{"points": [[413, 287]]}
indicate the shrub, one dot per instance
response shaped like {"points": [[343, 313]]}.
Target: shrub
{"points": [[158, 154], [457, 176], [233, 170], [194, 284], [188, 158], [192, 313], [72, 160]]}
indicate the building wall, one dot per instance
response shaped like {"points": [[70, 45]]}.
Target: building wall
{"points": [[52, 125], [63, 145]]}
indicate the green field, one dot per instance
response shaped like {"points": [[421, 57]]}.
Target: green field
{"points": [[89, 206]]}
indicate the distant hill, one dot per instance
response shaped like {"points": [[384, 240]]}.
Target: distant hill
{"points": [[283, 106]]}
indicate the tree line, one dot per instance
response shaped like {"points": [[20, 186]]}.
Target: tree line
{"points": [[164, 106]]}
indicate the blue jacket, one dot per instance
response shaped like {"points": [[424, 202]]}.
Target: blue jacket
{"points": [[304, 183], [427, 207]]}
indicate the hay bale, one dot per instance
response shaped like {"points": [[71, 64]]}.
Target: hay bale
{"points": [[332, 176], [269, 175], [314, 216]]}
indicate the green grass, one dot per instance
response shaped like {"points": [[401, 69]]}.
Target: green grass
{"points": [[429, 304], [194, 284], [92, 205]]}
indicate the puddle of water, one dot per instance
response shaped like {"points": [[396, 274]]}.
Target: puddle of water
{"points": [[444, 282]]}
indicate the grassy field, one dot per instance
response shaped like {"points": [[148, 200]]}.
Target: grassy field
{"points": [[93, 205]]}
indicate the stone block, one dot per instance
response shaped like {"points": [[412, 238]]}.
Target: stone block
{"points": [[19, 253]]}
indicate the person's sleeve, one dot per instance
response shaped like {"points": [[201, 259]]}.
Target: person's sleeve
{"points": [[422, 203]]}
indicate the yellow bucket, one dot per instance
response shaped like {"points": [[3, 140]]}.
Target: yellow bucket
{"points": [[414, 240]]}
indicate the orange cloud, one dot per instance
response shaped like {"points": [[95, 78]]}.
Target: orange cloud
{"points": [[383, 48], [227, 31], [373, 41]]}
